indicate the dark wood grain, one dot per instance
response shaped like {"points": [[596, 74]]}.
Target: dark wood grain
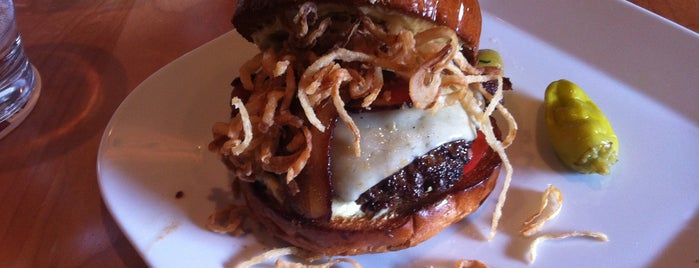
{"points": [[91, 54], [682, 12]]}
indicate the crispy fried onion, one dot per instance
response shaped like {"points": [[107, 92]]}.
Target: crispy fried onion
{"points": [[236, 145], [470, 264], [533, 246], [550, 206], [229, 220], [438, 73], [281, 252]]}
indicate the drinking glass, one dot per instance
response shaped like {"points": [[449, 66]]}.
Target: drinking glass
{"points": [[19, 80]]}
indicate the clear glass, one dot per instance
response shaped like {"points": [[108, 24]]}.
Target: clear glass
{"points": [[17, 78]]}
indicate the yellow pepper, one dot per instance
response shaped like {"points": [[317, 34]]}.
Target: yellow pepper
{"points": [[580, 133], [490, 58]]}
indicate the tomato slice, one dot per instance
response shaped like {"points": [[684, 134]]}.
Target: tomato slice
{"points": [[397, 91], [479, 148], [394, 94]]}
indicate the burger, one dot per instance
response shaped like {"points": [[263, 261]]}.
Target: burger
{"points": [[363, 126]]}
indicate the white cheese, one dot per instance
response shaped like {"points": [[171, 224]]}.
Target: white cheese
{"points": [[346, 209], [390, 140]]}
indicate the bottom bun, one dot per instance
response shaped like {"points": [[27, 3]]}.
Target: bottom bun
{"points": [[362, 235]]}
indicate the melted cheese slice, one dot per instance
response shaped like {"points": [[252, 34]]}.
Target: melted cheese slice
{"points": [[390, 140]]}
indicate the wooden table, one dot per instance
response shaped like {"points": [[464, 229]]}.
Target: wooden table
{"points": [[91, 54]]}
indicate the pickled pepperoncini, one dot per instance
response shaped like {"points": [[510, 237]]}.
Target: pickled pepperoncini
{"points": [[490, 58], [581, 135]]}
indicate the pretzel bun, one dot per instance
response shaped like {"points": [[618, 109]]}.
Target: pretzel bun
{"points": [[463, 16]]}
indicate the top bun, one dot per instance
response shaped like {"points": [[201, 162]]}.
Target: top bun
{"points": [[463, 16]]}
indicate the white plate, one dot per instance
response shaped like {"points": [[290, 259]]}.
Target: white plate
{"points": [[641, 70]]}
